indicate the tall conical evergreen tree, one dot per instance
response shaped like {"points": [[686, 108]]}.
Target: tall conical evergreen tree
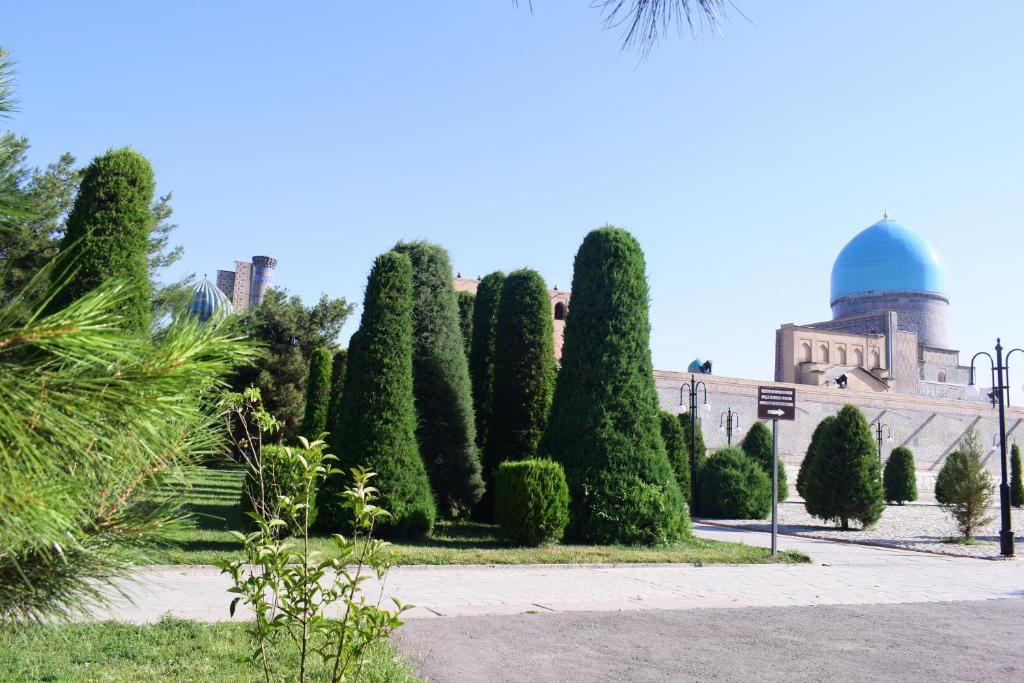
{"points": [[465, 300], [377, 428], [845, 481], [318, 393], [900, 476], [446, 432], [819, 441], [339, 367], [1016, 482], [524, 373], [758, 446], [107, 233], [481, 353], [604, 426], [696, 455], [677, 449]]}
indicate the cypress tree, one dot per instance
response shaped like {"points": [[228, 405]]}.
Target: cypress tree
{"points": [[900, 477], [758, 445], [818, 443], [964, 488], [1016, 484], [465, 300], [699, 454], [677, 449], [733, 486], [377, 426], [604, 425], [524, 373], [107, 233], [845, 481], [481, 354], [339, 366], [446, 432], [318, 393]]}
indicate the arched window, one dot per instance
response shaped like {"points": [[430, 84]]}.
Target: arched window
{"points": [[858, 358], [806, 347], [823, 352], [875, 363], [559, 311], [842, 355], [942, 376]]}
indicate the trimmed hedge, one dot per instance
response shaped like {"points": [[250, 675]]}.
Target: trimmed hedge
{"points": [[678, 451], [1016, 483], [339, 367], [531, 501], [733, 486], [481, 353], [465, 300], [107, 234], [900, 477], [318, 394], [447, 430], [377, 426], [758, 446], [282, 476], [604, 425]]}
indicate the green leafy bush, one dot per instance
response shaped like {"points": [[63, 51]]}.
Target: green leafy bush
{"points": [[758, 445], [964, 487], [273, 474], [318, 393], [677, 450], [733, 486], [900, 476], [604, 425], [1016, 484], [446, 430], [845, 481], [377, 423], [531, 501]]}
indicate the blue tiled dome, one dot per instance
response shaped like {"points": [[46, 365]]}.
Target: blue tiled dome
{"points": [[888, 257], [208, 301], [695, 365]]}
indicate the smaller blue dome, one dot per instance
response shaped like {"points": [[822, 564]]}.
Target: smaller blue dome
{"points": [[208, 301], [697, 365]]}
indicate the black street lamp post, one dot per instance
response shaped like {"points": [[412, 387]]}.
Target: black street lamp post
{"points": [[1000, 390], [727, 422], [880, 429], [692, 387]]}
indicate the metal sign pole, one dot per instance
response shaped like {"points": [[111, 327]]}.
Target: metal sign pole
{"points": [[775, 488]]}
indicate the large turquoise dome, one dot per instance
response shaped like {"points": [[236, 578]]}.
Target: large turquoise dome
{"points": [[888, 257]]}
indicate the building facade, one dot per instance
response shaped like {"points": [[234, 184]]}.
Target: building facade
{"points": [[247, 284]]}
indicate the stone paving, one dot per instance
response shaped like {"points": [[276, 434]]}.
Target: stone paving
{"points": [[840, 574], [914, 526]]}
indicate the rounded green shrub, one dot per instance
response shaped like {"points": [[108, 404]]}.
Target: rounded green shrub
{"points": [[758, 445], [107, 233], [604, 425], [377, 425], [732, 486], [531, 501], [1016, 482], [900, 477], [318, 394], [677, 450], [446, 430], [281, 476]]}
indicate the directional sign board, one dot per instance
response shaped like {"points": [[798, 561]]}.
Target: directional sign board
{"points": [[776, 403]]}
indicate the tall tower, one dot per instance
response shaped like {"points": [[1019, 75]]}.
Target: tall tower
{"points": [[262, 273]]}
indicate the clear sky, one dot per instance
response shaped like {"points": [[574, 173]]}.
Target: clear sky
{"points": [[322, 133]]}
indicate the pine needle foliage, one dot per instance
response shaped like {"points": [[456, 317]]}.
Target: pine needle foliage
{"points": [[900, 476], [604, 425], [524, 372], [377, 427], [109, 227], [1016, 482], [677, 449], [758, 445], [447, 430], [93, 417], [845, 481], [318, 392], [481, 353], [964, 487]]}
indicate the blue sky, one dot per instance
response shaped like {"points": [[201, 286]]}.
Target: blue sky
{"points": [[322, 133]]}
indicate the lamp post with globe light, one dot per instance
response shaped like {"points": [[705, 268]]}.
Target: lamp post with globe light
{"points": [[692, 387], [882, 429], [1000, 391], [728, 421]]}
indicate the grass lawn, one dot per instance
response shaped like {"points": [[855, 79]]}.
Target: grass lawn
{"points": [[172, 650], [213, 497]]}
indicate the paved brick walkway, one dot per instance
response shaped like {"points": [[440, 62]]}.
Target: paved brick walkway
{"points": [[841, 574]]}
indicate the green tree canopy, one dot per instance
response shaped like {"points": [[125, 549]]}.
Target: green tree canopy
{"points": [[481, 353], [604, 426], [1016, 481], [677, 449], [900, 476], [465, 300], [758, 445], [339, 367], [318, 393]]}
